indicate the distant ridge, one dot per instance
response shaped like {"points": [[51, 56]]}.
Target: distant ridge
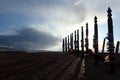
{"points": [[5, 48]]}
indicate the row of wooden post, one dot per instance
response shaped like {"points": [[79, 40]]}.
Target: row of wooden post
{"points": [[70, 42], [69, 45]]}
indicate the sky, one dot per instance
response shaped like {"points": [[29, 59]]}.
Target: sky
{"points": [[42, 24]]}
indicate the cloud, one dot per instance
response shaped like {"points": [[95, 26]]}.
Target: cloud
{"points": [[29, 38], [49, 10], [57, 14], [60, 17]]}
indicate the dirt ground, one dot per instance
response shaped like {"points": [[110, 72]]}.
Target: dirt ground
{"points": [[52, 66], [100, 71]]}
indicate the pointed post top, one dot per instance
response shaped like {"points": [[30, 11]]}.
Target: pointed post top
{"points": [[82, 28], [109, 12], [95, 19], [86, 25]]}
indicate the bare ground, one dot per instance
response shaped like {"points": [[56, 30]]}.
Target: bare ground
{"points": [[52, 66]]}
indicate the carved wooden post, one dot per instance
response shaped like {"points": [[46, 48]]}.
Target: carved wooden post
{"points": [[110, 32], [63, 45], [75, 42], [111, 41], [78, 40], [86, 40], [82, 41], [95, 40], [71, 41], [68, 43]]}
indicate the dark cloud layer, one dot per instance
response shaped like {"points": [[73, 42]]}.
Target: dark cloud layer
{"points": [[29, 38]]}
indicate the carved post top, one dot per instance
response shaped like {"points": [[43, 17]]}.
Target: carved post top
{"points": [[82, 28], [86, 25], [109, 12], [75, 32], [95, 19]]}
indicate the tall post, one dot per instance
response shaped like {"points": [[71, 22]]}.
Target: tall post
{"points": [[75, 41], [111, 41], [63, 46], [71, 41], [95, 41], [78, 39], [82, 41], [86, 40], [68, 43], [110, 32]]}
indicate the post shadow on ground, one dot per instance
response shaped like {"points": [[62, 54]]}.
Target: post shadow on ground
{"points": [[77, 70], [98, 72]]}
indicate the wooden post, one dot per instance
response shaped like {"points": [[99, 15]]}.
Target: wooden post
{"points": [[111, 41], [117, 46], [78, 39], [95, 41], [86, 40], [82, 41], [68, 43], [75, 41], [63, 46]]}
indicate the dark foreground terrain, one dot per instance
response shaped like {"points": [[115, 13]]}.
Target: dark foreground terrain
{"points": [[52, 66]]}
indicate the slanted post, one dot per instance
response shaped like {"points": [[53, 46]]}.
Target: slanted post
{"points": [[117, 46]]}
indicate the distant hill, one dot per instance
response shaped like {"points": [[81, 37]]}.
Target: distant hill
{"points": [[16, 49], [7, 49]]}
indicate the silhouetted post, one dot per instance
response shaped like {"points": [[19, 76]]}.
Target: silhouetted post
{"points": [[71, 41], [78, 39], [68, 43], [86, 40], [111, 41], [82, 41], [110, 32], [117, 46], [95, 40], [75, 42], [103, 45], [63, 45]]}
